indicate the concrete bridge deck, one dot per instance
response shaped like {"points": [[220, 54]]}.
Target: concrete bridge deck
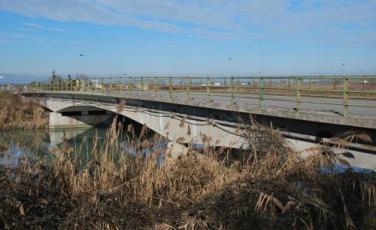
{"points": [[347, 100], [306, 111], [315, 109]]}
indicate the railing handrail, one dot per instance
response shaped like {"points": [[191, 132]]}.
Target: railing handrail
{"points": [[233, 88], [303, 77]]}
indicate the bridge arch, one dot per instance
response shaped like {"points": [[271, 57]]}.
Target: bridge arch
{"points": [[173, 126]]}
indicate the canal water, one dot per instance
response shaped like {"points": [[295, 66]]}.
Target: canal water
{"points": [[38, 144]]}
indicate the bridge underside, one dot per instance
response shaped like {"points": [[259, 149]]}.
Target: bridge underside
{"points": [[78, 117], [173, 126]]}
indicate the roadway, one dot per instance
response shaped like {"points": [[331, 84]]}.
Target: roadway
{"points": [[321, 105]]}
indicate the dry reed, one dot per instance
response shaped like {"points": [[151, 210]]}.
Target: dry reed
{"points": [[275, 190], [20, 113]]}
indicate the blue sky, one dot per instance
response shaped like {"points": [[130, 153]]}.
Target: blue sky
{"points": [[181, 37]]}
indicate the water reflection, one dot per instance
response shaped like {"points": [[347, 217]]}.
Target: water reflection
{"points": [[38, 144]]}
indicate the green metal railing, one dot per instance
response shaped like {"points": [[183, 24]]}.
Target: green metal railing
{"points": [[298, 93]]}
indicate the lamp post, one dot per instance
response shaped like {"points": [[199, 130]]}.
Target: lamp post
{"points": [[82, 64], [343, 66]]}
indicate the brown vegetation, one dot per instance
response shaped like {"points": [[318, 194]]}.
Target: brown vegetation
{"points": [[19, 113], [275, 190]]}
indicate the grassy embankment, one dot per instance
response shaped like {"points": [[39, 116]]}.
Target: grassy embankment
{"points": [[19, 113], [275, 190]]}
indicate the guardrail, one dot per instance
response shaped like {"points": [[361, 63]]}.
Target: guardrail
{"points": [[347, 92]]}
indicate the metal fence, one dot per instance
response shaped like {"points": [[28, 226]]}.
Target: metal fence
{"points": [[343, 95]]}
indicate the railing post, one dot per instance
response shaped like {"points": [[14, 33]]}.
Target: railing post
{"points": [[122, 88], [119, 84], [155, 86], [345, 96], [130, 86], [189, 83], [208, 89], [232, 91], [102, 88], [298, 94], [142, 84], [96, 85], [170, 87], [261, 93]]}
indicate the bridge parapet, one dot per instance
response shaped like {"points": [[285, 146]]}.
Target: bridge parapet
{"points": [[343, 98]]}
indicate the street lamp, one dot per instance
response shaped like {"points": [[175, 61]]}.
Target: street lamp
{"points": [[82, 64], [343, 65]]}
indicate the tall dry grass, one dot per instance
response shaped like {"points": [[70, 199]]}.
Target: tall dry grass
{"points": [[19, 113], [271, 187]]}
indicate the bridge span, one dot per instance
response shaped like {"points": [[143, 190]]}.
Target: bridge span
{"points": [[211, 110]]}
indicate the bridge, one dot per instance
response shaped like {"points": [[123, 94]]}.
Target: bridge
{"points": [[211, 111]]}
